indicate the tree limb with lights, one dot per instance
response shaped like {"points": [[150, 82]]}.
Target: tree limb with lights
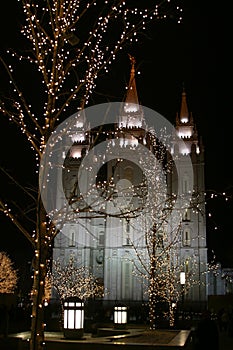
{"points": [[67, 45], [68, 280]]}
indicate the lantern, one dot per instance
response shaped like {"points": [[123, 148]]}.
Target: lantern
{"points": [[73, 318], [120, 316]]}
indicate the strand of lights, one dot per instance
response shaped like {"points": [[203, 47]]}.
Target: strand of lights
{"points": [[9, 278], [69, 279]]}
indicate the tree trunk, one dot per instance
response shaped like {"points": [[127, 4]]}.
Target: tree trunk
{"points": [[152, 287], [40, 264], [152, 311], [152, 295], [171, 315]]}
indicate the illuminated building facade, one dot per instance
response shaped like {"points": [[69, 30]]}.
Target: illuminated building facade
{"points": [[107, 244]]}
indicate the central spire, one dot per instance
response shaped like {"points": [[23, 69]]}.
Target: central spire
{"points": [[131, 115], [184, 113], [131, 100]]}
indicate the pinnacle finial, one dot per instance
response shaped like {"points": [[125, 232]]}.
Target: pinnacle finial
{"points": [[131, 99], [183, 86], [132, 59]]}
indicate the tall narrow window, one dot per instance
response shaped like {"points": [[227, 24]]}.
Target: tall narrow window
{"points": [[186, 215], [127, 270], [73, 186], [187, 265], [160, 240], [127, 234], [101, 238], [186, 237], [126, 239], [72, 239], [186, 188]]}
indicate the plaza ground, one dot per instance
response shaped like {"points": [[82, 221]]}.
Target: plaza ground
{"points": [[133, 338]]}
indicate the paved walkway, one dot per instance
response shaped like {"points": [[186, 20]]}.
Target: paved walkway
{"points": [[134, 339], [225, 342]]}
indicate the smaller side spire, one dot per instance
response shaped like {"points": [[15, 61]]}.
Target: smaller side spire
{"points": [[186, 129]]}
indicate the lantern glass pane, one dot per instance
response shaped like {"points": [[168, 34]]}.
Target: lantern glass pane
{"points": [[79, 318], [123, 317], [65, 318], [71, 319], [116, 317]]}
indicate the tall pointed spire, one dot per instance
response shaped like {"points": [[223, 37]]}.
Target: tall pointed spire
{"points": [[186, 128], [131, 100], [131, 115], [184, 113]]}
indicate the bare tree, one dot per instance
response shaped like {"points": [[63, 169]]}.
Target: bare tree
{"points": [[158, 260], [161, 266], [68, 44]]}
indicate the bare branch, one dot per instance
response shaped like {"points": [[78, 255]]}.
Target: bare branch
{"points": [[7, 211]]}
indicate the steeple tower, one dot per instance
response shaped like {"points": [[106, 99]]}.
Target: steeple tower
{"points": [[80, 138], [186, 130], [131, 115], [131, 100], [184, 117], [184, 113], [193, 224]]}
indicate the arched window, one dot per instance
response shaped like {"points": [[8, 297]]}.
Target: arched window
{"points": [[187, 215], [160, 240], [128, 173], [186, 184], [101, 239], [187, 267], [127, 235], [186, 237], [71, 242], [127, 271]]}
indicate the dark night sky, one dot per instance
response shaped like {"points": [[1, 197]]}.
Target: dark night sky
{"points": [[196, 53]]}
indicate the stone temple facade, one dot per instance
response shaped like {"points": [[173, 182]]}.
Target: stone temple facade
{"points": [[112, 247]]}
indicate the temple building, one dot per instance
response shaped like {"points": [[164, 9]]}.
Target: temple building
{"points": [[114, 247]]}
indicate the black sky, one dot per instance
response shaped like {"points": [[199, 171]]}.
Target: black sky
{"points": [[194, 53]]}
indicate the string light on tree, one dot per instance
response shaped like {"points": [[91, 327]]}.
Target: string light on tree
{"points": [[8, 274], [67, 45]]}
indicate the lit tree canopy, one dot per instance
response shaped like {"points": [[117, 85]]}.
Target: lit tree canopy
{"points": [[71, 280], [8, 275]]}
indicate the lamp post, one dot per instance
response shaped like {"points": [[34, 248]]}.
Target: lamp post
{"points": [[120, 316], [182, 282], [73, 318]]}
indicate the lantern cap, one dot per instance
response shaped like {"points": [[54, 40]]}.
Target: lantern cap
{"points": [[73, 299], [120, 305]]}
